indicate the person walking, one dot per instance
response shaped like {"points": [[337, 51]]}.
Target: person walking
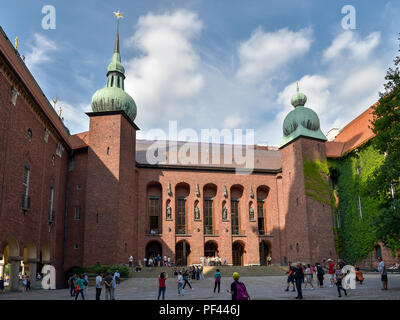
{"points": [[217, 279], [108, 284], [99, 285], [71, 282], [320, 275], [2, 284], [308, 276], [382, 270], [290, 279], [202, 273], [298, 277], [28, 283], [186, 279], [339, 277], [238, 289], [161, 285], [331, 272], [179, 281], [80, 287], [130, 262]]}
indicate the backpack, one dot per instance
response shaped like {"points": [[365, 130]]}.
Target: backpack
{"points": [[241, 291], [218, 279], [85, 282]]}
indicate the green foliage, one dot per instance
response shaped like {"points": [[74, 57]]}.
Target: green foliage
{"points": [[316, 180], [123, 270], [357, 233], [386, 179]]}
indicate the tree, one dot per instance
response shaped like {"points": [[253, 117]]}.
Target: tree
{"points": [[385, 183]]}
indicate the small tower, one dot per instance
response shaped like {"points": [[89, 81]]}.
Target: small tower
{"points": [[308, 229], [110, 209]]}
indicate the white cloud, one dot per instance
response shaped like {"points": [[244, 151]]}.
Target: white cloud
{"points": [[75, 118], [40, 51], [168, 73], [266, 52], [348, 45], [348, 86]]}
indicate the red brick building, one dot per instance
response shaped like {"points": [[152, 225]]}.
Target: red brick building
{"points": [[74, 200]]}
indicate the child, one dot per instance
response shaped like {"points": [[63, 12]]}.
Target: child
{"points": [[339, 277], [359, 276]]}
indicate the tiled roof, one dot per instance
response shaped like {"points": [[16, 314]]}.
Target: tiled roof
{"points": [[353, 135]]}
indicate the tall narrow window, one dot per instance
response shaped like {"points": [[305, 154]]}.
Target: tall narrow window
{"points": [[25, 188], [180, 216], [154, 215], [77, 214], [260, 215], [235, 216], [208, 216], [51, 205]]}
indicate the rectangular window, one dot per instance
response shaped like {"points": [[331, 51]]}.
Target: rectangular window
{"points": [[235, 216], [51, 200], [260, 215], [208, 216], [25, 188], [180, 216], [154, 215], [77, 213]]}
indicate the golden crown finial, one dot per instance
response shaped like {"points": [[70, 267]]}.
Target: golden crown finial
{"points": [[118, 14], [16, 43]]}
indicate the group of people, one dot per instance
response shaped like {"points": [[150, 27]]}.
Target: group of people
{"points": [[157, 261], [237, 290], [78, 285], [300, 275]]}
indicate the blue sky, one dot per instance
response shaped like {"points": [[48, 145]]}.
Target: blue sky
{"points": [[211, 64]]}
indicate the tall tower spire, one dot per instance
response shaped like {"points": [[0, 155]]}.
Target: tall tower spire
{"points": [[113, 96], [118, 15]]}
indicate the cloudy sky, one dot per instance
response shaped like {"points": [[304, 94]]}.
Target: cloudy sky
{"points": [[211, 64]]}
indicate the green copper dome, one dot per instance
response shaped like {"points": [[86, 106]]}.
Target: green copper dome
{"points": [[113, 97], [301, 121]]}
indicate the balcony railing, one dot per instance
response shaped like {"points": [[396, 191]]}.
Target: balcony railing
{"points": [[25, 203], [235, 231]]}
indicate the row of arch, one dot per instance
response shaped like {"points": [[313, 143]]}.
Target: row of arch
{"points": [[256, 206], [12, 264], [183, 251]]}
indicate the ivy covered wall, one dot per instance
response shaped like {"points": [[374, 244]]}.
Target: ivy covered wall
{"points": [[349, 180]]}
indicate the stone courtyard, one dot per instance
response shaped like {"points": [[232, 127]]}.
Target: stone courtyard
{"points": [[259, 288]]}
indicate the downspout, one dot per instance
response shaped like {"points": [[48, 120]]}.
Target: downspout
{"points": [[70, 159]]}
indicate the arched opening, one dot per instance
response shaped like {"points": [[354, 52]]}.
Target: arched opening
{"points": [[154, 205], [29, 266], [265, 249], [262, 194], [209, 193], [153, 249], [237, 253], [236, 194], [210, 249], [378, 251], [182, 191], [10, 263], [182, 253]]}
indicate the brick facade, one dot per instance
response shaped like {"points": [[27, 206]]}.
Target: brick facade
{"points": [[97, 175]]}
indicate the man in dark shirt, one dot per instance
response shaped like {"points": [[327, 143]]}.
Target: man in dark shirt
{"points": [[299, 276], [108, 282]]}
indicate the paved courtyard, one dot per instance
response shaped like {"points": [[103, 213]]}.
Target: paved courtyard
{"points": [[268, 287]]}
